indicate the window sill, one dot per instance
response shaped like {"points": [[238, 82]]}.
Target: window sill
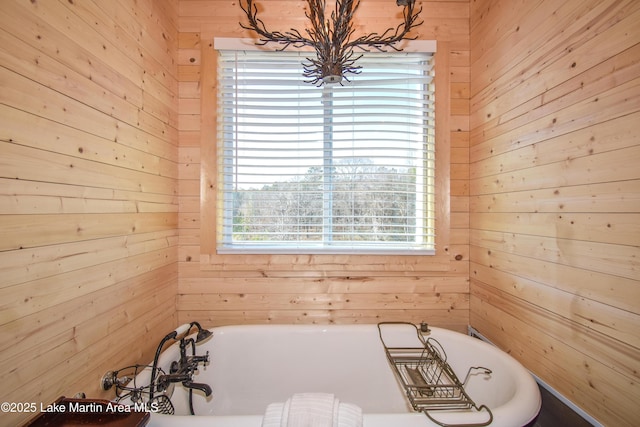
{"points": [[324, 251]]}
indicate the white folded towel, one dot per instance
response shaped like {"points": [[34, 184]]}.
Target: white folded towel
{"points": [[312, 410], [273, 415], [350, 415]]}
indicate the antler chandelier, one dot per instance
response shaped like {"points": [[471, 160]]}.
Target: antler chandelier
{"points": [[331, 37]]}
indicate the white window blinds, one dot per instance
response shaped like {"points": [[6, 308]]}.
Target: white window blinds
{"points": [[340, 168]]}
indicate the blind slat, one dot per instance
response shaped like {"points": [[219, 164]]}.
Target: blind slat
{"points": [[314, 169]]}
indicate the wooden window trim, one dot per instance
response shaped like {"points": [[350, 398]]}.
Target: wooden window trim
{"points": [[321, 265]]}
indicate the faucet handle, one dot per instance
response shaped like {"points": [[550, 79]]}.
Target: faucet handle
{"points": [[424, 328], [201, 359]]}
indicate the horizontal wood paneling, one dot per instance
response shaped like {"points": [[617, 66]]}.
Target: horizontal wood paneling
{"points": [[89, 192], [555, 194], [224, 289], [520, 330], [106, 114]]}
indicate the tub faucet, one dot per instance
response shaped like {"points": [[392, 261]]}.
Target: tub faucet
{"points": [[182, 370], [185, 379], [198, 386]]}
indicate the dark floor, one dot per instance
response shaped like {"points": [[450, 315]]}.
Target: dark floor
{"points": [[554, 413]]}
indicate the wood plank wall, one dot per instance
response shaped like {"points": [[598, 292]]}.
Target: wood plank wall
{"points": [[98, 203], [220, 290], [88, 191], [555, 194]]}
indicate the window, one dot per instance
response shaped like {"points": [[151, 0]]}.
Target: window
{"points": [[338, 168]]}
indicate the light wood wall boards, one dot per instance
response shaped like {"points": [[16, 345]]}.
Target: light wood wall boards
{"points": [[555, 194], [233, 289], [101, 210], [88, 191]]}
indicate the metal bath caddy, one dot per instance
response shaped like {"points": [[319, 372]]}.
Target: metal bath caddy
{"points": [[428, 380]]}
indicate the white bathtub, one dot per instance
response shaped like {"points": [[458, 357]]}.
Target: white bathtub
{"points": [[253, 366]]}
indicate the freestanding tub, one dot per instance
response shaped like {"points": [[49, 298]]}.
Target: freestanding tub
{"points": [[253, 366]]}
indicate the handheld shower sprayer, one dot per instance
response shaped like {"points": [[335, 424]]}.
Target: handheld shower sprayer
{"points": [[182, 330], [203, 334]]}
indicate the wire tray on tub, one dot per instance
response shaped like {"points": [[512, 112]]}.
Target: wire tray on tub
{"points": [[429, 381]]}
